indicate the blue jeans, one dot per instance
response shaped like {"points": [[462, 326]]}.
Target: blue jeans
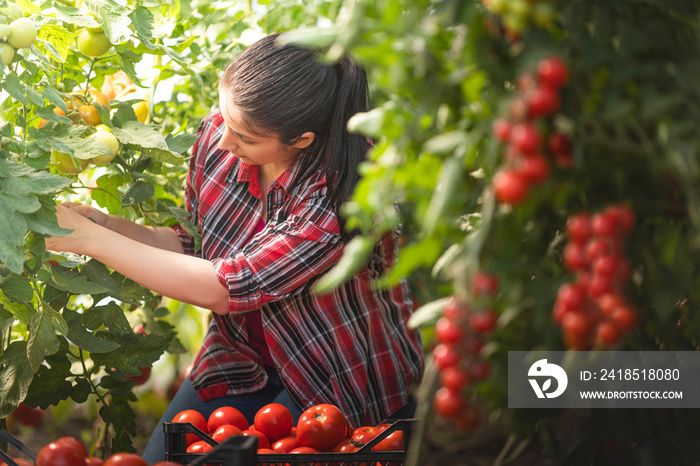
{"points": [[187, 398]]}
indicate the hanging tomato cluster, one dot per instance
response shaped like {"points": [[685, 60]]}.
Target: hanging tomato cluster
{"points": [[460, 333], [526, 161], [592, 310]]}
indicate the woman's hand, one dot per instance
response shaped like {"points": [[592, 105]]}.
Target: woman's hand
{"points": [[85, 210], [78, 218]]}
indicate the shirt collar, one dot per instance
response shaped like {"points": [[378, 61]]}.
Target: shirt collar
{"points": [[249, 173]]}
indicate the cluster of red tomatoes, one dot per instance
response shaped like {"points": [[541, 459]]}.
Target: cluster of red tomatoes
{"points": [[69, 451], [523, 132], [321, 428], [460, 333], [592, 310]]}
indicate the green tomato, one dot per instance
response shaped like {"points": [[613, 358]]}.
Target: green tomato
{"points": [[7, 52], [12, 11], [5, 31], [23, 33], [65, 163], [109, 140], [93, 43]]}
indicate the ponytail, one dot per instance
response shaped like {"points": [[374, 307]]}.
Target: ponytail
{"points": [[285, 90]]}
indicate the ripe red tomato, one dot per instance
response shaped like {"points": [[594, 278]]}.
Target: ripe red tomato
{"points": [[322, 427], [501, 129], [196, 419], [483, 322], [263, 442], [543, 101], [305, 450], [559, 143], [226, 415], [485, 285], [534, 168], [525, 137], [94, 461], [73, 443], [576, 327], [225, 431], [445, 356], [510, 187], [625, 318], [575, 257], [604, 224], [447, 331], [347, 445], [552, 71], [578, 227], [572, 295], [19, 461], [60, 454], [607, 334], [200, 446], [125, 459], [32, 417], [286, 444], [274, 420], [393, 441], [366, 434], [454, 378], [448, 403]]}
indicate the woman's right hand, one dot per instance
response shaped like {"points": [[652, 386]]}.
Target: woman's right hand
{"points": [[89, 212]]}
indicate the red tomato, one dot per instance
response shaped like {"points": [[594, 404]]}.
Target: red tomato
{"points": [[578, 227], [454, 378], [446, 356], [94, 461], [572, 295], [625, 318], [19, 461], [305, 450], [200, 446], [27, 416], [394, 441], [365, 434], [552, 71], [576, 327], [543, 101], [526, 137], [60, 454], [263, 442], [286, 444], [484, 321], [448, 403], [125, 459], [510, 187], [348, 445], [74, 443], [607, 334], [534, 168], [266, 451], [225, 431], [274, 420], [448, 331], [322, 427], [485, 285], [501, 129], [196, 419], [226, 415]]}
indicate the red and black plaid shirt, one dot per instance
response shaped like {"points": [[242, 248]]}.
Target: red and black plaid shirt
{"points": [[351, 347]]}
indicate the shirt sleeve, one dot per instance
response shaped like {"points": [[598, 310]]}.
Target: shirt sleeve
{"points": [[284, 258]]}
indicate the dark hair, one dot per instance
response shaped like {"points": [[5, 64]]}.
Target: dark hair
{"points": [[286, 90]]}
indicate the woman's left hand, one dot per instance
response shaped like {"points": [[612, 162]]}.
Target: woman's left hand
{"points": [[84, 235]]}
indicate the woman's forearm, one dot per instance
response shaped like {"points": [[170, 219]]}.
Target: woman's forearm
{"points": [[160, 237], [185, 278]]}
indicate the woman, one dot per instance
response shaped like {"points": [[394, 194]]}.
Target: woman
{"points": [[268, 175]]}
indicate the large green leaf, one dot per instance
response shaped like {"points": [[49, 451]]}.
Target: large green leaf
{"points": [[15, 377]]}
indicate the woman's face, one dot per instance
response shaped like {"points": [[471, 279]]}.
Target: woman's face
{"points": [[252, 149]]}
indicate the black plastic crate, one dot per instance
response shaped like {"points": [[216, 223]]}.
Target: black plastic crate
{"points": [[6, 437], [242, 451]]}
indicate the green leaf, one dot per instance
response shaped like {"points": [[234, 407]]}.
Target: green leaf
{"points": [[411, 257], [88, 341], [113, 18], [50, 384], [15, 377], [13, 229], [107, 194], [180, 143], [367, 123], [60, 38], [73, 282], [135, 351], [13, 86], [310, 38], [142, 19], [113, 318], [72, 15], [354, 256], [149, 139], [42, 339], [137, 193], [18, 289], [448, 183], [428, 313]]}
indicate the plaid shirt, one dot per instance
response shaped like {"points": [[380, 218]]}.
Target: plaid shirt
{"points": [[350, 347]]}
